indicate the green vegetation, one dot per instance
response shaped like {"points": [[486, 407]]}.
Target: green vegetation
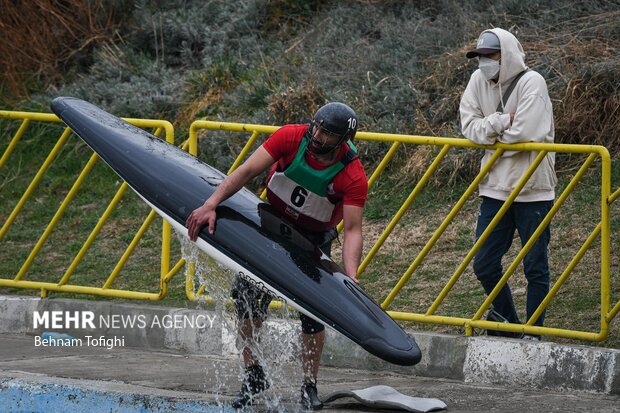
{"points": [[400, 64]]}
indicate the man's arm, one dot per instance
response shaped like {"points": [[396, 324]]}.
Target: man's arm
{"points": [[258, 162], [475, 126], [533, 119], [352, 245]]}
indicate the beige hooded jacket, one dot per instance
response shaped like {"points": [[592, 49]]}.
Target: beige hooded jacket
{"points": [[533, 122]]}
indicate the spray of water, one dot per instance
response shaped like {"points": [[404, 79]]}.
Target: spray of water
{"points": [[275, 345]]}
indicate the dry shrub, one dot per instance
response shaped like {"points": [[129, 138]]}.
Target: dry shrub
{"points": [[441, 92], [456, 166], [586, 95], [295, 104], [437, 115], [196, 109], [589, 112], [581, 63], [42, 37], [287, 15], [205, 93]]}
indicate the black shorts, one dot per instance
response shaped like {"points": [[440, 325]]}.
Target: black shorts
{"points": [[252, 302]]}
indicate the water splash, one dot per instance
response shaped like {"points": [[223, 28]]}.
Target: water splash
{"points": [[275, 346], [210, 280]]}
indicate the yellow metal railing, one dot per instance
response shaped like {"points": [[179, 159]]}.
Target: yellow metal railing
{"points": [[446, 144], [18, 281], [475, 322]]}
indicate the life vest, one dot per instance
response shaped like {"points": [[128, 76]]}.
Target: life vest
{"points": [[300, 191]]}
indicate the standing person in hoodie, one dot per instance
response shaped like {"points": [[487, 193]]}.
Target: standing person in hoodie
{"points": [[526, 115]]}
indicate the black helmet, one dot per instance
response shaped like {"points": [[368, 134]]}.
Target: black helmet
{"points": [[337, 119]]}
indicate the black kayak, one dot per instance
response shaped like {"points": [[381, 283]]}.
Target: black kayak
{"points": [[250, 238]]}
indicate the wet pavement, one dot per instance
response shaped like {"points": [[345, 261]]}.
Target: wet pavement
{"points": [[216, 379]]}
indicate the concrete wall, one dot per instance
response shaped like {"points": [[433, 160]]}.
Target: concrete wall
{"points": [[483, 360]]}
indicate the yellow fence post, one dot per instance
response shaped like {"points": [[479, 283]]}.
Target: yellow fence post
{"points": [[605, 239]]}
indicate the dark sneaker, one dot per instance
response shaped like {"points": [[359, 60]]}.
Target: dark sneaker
{"points": [[254, 382], [310, 396], [244, 399], [497, 317], [531, 337]]}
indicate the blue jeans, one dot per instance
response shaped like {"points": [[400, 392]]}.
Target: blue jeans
{"points": [[523, 217]]}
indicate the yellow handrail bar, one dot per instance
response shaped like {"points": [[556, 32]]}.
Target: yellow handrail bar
{"points": [[602, 229], [27, 118], [498, 148]]}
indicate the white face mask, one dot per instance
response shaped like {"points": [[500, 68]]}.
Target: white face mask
{"points": [[489, 68]]}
